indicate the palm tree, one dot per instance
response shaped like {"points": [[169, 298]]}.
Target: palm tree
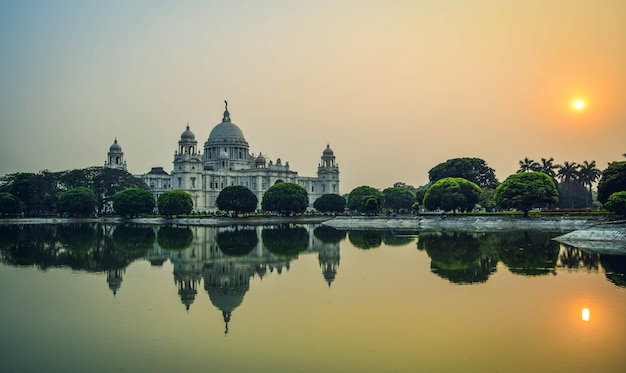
{"points": [[547, 167], [528, 165], [589, 174], [568, 175]]}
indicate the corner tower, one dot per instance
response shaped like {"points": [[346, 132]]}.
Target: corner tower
{"points": [[328, 172], [115, 157]]}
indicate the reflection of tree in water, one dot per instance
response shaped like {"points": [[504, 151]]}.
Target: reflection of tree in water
{"points": [[614, 268], [174, 238], [78, 238], [528, 253], [458, 256], [394, 238], [133, 240], [328, 234], [30, 245], [285, 241], [574, 258], [237, 242], [366, 239]]}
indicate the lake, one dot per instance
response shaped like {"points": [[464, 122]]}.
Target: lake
{"points": [[305, 298]]}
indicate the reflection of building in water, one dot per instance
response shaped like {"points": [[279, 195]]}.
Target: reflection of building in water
{"points": [[114, 279], [328, 256], [227, 278]]}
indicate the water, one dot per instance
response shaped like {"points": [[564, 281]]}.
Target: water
{"points": [[305, 299]]}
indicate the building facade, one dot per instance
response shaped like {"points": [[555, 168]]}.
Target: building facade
{"points": [[226, 160]]}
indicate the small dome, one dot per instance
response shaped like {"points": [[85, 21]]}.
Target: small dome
{"points": [[187, 135], [115, 147], [328, 151], [260, 158]]}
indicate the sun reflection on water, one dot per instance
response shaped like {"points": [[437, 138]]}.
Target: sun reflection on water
{"points": [[585, 314]]}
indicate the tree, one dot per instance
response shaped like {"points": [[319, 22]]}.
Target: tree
{"points": [[79, 201], [108, 181], [133, 201], [330, 203], [547, 166], [451, 194], [237, 198], [528, 165], [9, 204], [568, 176], [175, 202], [358, 194], [589, 174], [371, 205], [398, 198], [617, 203], [474, 170], [613, 180], [38, 192], [526, 190], [285, 198]]}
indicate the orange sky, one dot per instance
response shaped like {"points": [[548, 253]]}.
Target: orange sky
{"points": [[395, 87]]}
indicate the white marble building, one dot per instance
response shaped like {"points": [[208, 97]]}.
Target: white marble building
{"points": [[226, 160]]}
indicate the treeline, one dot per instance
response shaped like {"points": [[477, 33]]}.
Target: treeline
{"points": [[466, 184]]}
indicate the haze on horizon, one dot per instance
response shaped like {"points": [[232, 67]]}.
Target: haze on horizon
{"points": [[395, 87]]}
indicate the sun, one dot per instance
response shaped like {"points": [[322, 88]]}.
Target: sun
{"points": [[578, 105]]}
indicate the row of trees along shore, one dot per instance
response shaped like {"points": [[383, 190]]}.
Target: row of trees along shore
{"points": [[457, 185]]}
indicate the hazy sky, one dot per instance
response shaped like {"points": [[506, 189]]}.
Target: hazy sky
{"points": [[395, 87]]}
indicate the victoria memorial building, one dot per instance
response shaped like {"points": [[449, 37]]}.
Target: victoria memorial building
{"points": [[226, 160]]}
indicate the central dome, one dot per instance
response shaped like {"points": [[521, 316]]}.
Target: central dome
{"points": [[226, 132]]}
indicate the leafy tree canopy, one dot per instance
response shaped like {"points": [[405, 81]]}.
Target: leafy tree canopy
{"points": [[79, 201], [471, 169], [451, 194], [613, 180], [175, 202], [399, 198], [174, 238], [330, 203], [9, 204], [133, 201], [285, 198], [237, 198], [357, 196], [526, 190], [617, 203]]}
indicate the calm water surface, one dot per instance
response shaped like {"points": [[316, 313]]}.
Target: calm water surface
{"points": [[305, 298]]}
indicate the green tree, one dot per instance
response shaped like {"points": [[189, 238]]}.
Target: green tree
{"points": [[238, 241], [285, 241], [371, 205], [108, 181], [79, 201], [285, 198], [451, 194], [330, 203], [38, 192], [568, 176], [528, 165], [474, 170], [9, 204], [175, 202], [74, 178], [238, 199], [617, 203], [357, 196], [133, 201], [548, 167], [399, 198], [589, 174], [613, 180], [526, 190]]}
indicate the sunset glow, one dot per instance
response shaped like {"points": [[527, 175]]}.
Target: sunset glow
{"points": [[585, 314], [578, 105]]}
